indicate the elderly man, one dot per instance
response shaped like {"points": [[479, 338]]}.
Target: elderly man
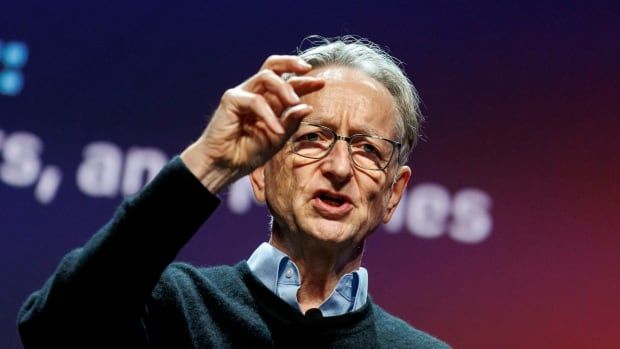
{"points": [[325, 137]]}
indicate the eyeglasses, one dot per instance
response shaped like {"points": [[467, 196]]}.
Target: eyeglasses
{"points": [[366, 151]]}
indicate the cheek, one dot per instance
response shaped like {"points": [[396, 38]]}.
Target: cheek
{"points": [[276, 183], [376, 199], [375, 206], [302, 175], [286, 184]]}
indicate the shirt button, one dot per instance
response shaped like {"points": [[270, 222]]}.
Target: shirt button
{"points": [[289, 273]]}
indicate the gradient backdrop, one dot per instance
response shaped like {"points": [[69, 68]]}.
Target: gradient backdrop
{"points": [[509, 236]]}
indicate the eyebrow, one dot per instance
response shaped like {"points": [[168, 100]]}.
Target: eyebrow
{"points": [[367, 130]]}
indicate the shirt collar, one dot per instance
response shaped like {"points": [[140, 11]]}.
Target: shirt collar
{"points": [[280, 275]]}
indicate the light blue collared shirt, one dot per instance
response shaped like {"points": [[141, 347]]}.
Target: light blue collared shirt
{"points": [[278, 273]]}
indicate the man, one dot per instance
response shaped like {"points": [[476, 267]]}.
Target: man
{"points": [[325, 138]]}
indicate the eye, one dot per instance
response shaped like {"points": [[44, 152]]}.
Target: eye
{"points": [[310, 136], [313, 135], [370, 152], [369, 148]]}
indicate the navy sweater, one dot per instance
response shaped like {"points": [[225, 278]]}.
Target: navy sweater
{"points": [[121, 290]]}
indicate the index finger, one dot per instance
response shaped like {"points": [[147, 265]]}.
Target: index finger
{"points": [[306, 84], [281, 64]]}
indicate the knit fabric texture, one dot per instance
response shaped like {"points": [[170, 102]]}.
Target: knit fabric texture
{"points": [[122, 290]]}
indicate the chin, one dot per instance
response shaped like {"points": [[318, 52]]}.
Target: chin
{"points": [[333, 231]]}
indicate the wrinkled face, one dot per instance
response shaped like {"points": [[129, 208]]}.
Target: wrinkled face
{"points": [[330, 199]]}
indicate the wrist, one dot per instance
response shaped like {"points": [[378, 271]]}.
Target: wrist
{"points": [[205, 169]]}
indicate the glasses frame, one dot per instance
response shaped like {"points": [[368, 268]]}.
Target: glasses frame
{"points": [[395, 146]]}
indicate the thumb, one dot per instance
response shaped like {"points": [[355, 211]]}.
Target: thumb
{"points": [[291, 117]]}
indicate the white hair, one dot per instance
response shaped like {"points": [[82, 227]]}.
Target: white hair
{"points": [[363, 55]]}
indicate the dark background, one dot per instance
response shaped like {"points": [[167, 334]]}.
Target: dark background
{"points": [[521, 101]]}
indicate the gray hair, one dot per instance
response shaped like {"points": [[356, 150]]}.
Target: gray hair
{"points": [[363, 55]]}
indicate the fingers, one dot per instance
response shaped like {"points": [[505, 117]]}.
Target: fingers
{"points": [[269, 81], [249, 103], [287, 92], [292, 116], [267, 95], [303, 85], [279, 93], [286, 64]]}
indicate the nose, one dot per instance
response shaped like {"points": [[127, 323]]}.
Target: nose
{"points": [[337, 164]]}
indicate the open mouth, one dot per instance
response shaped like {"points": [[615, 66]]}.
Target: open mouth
{"points": [[332, 199]]}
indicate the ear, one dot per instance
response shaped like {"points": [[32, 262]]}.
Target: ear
{"points": [[397, 191], [257, 178]]}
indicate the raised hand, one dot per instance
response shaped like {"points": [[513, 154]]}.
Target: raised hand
{"points": [[252, 122]]}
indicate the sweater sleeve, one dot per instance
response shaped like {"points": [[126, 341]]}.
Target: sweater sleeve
{"points": [[98, 291]]}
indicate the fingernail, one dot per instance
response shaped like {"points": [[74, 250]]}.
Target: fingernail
{"points": [[295, 97], [304, 64], [279, 129], [304, 107]]}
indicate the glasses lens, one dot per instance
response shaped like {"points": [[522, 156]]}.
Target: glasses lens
{"points": [[367, 152], [370, 152], [312, 141]]}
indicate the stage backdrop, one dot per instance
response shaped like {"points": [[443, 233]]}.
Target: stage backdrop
{"points": [[508, 236]]}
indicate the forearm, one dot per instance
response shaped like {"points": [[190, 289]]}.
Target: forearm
{"points": [[118, 267]]}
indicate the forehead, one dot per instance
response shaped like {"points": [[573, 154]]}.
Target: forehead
{"points": [[353, 100]]}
